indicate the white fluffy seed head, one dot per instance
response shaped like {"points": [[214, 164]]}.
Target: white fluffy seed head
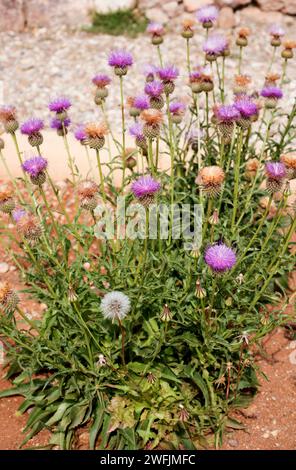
{"points": [[115, 305]]}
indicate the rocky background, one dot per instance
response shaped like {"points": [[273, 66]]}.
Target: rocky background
{"points": [[21, 15]]}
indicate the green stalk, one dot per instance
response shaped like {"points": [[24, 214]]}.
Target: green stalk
{"points": [[188, 55], [207, 115], [70, 158], [236, 177], [220, 82], [123, 128], [101, 175], [150, 157], [172, 177], [240, 57], [285, 63], [159, 55], [27, 320]]}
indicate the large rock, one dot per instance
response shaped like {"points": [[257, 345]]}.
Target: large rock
{"points": [[232, 3], [11, 15], [46, 13], [157, 15], [106, 6], [253, 14], [171, 9], [193, 5], [286, 6], [226, 18]]}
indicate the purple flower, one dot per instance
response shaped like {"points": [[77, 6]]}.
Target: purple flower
{"points": [[80, 133], [32, 126], [59, 104], [35, 165], [195, 76], [215, 45], [227, 113], [121, 59], [101, 80], [275, 170], [168, 73], [18, 214], [137, 131], [145, 186], [177, 107], [154, 89], [276, 30], [150, 70], [207, 14], [246, 107], [58, 124], [220, 257], [272, 92], [156, 29], [141, 102]]}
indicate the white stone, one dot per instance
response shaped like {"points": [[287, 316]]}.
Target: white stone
{"points": [[4, 268], [226, 18], [170, 8], [193, 5], [156, 14], [107, 6]]}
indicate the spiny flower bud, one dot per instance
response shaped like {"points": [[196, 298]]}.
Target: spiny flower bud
{"points": [[29, 228], [242, 39], [151, 378], [210, 178], [152, 118], [88, 193], [214, 219], [8, 118], [183, 414], [156, 31], [200, 292], [287, 52], [7, 202], [95, 134], [166, 314], [8, 298], [188, 28], [276, 173], [145, 189]]}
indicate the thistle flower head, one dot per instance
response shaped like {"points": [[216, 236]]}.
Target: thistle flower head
{"points": [[145, 186], [155, 29], [272, 92], [220, 257], [5, 194], [289, 44], [35, 165], [152, 116], [59, 104], [210, 178], [87, 189], [195, 76], [271, 79], [29, 227], [207, 14], [242, 80], [168, 73], [141, 102], [94, 130], [8, 298], [177, 108], [246, 107], [188, 24], [150, 71], [227, 113], [80, 133], [32, 126], [154, 89], [215, 45], [120, 59], [289, 160], [137, 131], [60, 125], [115, 306], [7, 113], [276, 31], [275, 170], [244, 32], [101, 80], [18, 213]]}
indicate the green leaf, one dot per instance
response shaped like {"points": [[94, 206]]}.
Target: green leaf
{"points": [[59, 413], [96, 426]]}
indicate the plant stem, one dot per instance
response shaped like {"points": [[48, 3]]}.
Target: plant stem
{"points": [[236, 177], [122, 341], [188, 55], [159, 55], [240, 57], [123, 129], [24, 317], [101, 175]]}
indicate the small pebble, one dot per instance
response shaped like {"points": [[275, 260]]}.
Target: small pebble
{"points": [[4, 268]]}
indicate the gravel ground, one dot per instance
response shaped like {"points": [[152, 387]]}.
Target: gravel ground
{"points": [[40, 65]]}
